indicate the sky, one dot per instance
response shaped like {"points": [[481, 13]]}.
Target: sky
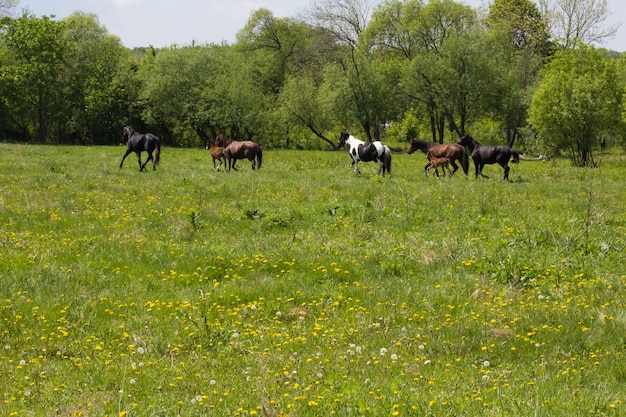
{"points": [[162, 23]]}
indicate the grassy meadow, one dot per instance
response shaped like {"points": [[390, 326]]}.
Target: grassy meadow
{"points": [[302, 289]]}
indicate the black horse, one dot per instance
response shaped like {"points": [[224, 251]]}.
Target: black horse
{"points": [[483, 154], [140, 142]]}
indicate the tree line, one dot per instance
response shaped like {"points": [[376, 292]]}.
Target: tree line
{"points": [[514, 72]]}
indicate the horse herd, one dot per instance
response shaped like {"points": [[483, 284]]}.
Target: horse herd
{"points": [[227, 151]]}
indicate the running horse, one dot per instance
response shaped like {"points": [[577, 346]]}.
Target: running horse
{"points": [[142, 142], [366, 152], [483, 154], [453, 151], [217, 153], [235, 150], [443, 163]]}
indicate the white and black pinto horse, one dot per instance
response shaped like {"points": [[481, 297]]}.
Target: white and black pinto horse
{"points": [[366, 152]]}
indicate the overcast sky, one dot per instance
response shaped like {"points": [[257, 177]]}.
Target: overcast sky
{"points": [[166, 22]]}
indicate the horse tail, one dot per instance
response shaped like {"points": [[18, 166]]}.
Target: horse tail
{"points": [[464, 161], [157, 151], [387, 159], [259, 156], [515, 156]]}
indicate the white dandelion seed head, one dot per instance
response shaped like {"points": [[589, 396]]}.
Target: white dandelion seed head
{"points": [[486, 364], [383, 351], [394, 357]]}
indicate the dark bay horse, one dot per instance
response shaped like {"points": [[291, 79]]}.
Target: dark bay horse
{"points": [[483, 154], [366, 152], [234, 150], [217, 153], [140, 142], [453, 151]]}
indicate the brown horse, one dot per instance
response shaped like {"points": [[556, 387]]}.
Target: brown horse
{"points": [[234, 150], [217, 153], [443, 163], [453, 151]]}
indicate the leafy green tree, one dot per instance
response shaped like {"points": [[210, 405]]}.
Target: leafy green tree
{"points": [[288, 53], [301, 104], [199, 91], [356, 88], [95, 98], [520, 37], [442, 51], [32, 72], [578, 103]]}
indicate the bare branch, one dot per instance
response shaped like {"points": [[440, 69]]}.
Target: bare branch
{"points": [[578, 21], [346, 19]]}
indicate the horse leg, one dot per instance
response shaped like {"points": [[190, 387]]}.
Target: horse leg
{"points": [[234, 162], [355, 166], [454, 168], [506, 172], [481, 171], [128, 152], [143, 167], [426, 169]]}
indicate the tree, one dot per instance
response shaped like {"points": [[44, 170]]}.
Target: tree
{"points": [[95, 98], [578, 103], [288, 55], [345, 19], [520, 37], [32, 73], [578, 21], [364, 93], [7, 6]]}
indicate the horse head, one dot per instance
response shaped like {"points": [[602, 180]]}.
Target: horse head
{"points": [[417, 144], [466, 140], [342, 140], [127, 133]]}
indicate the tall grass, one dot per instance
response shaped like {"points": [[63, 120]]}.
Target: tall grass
{"points": [[303, 289]]}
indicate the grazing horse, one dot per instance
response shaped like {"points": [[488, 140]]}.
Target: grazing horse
{"points": [[443, 163], [366, 152], [140, 142], [483, 154], [453, 151], [234, 150], [217, 153]]}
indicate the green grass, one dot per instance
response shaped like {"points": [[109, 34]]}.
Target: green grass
{"points": [[305, 290]]}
